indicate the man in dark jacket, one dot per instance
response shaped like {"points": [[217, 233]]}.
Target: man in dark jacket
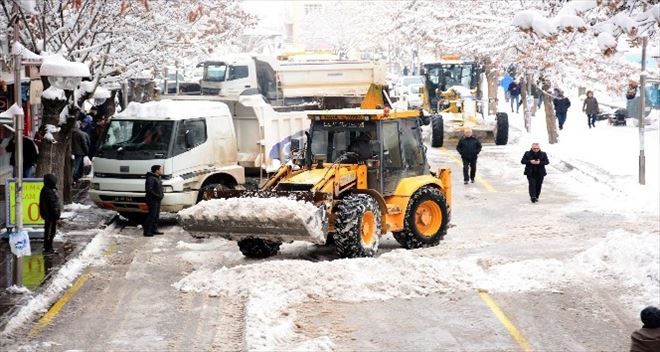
{"points": [[469, 147], [561, 104], [154, 189], [535, 161], [49, 207], [30, 155], [647, 339], [79, 148], [514, 92]]}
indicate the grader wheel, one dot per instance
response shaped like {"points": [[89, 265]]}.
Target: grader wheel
{"points": [[357, 226], [426, 219]]}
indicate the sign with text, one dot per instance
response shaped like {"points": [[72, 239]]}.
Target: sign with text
{"points": [[31, 191]]}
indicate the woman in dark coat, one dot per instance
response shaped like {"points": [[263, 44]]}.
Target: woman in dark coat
{"points": [[49, 207], [590, 107], [535, 161]]}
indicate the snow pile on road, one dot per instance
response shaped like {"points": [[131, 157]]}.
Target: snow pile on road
{"points": [[92, 254], [630, 260], [258, 212], [274, 287]]}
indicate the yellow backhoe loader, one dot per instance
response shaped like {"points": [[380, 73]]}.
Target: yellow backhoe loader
{"points": [[362, 173]]}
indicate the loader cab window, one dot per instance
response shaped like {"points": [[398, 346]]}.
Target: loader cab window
{"points": [[334, 139], [391, 146], [413, 152], [190, 134]]}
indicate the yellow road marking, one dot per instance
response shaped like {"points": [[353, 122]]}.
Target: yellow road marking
{"points": [[513, 331], [55, 309], [459, 162]]}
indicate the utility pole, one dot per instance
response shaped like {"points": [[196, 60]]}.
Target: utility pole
{"points": [[642, 102], [18, 139]]}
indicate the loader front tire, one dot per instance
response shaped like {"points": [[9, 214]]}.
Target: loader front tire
{"points": [[425, 223], [357, 226], [258, 248], [438, 131], [502, 133]]}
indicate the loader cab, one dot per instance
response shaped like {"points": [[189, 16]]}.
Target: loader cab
{"points": [[391, 148]]}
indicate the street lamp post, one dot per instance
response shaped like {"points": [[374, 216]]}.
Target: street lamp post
{"points": [[642, 102], [18, 156]]}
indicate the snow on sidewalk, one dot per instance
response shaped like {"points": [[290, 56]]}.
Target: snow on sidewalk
{"points": [[92, 254]]}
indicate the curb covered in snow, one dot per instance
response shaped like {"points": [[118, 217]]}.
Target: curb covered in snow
{"points": [[61, 281]]}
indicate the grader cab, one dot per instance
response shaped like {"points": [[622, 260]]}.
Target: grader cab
{"points": [[361, 174]]}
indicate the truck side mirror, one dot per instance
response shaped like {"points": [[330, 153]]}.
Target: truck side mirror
{"points": [[189, 140]]}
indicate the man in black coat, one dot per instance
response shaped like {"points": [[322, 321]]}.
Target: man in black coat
{"points": [[561, 104], [154, 189], [49, 207], [469, 147], [535, 161]]}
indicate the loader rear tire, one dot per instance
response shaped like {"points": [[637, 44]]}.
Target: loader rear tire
{"points": [[425, 223], [357, 226], [258, 248], [438, 131], [502, 133]]}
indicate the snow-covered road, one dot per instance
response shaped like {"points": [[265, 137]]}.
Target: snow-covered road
{"points": [[568, 273]]}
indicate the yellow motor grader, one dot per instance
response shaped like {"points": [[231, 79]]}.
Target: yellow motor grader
{"points": [[361, 174], [453, 93]]}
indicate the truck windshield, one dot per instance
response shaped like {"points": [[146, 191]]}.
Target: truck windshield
{"points": [[215, 72], [136, 139], [334, 138]]}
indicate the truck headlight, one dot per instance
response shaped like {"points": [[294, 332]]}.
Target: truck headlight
{"points": [[168, 189], [96, 186]]}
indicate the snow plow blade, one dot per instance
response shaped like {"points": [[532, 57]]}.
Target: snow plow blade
{"points": [[270, 215]]}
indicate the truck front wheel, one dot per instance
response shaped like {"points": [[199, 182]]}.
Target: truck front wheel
{"points": [[134, 218]]}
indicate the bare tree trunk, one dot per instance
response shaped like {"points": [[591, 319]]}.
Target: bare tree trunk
{"points": [[550, 117], [492, 76], [55, 156], [523, 95]]}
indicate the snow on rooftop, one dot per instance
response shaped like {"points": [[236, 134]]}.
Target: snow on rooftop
{"points": [[176, 109], [13, 110]]}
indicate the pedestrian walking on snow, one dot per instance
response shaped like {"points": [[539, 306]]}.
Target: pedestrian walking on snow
{"points": [[590, 107], [154, 189], [469, 148], [49, 207], [647, 339], [80, 144], [561, 104], [535, 161], [514, 92]]}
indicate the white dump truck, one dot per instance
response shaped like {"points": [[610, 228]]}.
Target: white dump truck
{"points": [[200, 142], [310, 84]]}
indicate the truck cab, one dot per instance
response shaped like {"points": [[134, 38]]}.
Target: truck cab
{"points": [[193, 141]]}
